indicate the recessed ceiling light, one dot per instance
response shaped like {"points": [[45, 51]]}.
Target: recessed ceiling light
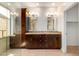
{"points": [[37, 4], [53, 4], [31, 4], [8, 4], [11, 55]]}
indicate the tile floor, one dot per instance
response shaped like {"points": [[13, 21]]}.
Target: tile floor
{"points": [[36, 52]]}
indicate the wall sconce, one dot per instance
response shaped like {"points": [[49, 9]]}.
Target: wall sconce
{"points": [[15, 13], [11, 13], [52, 14], [34, 13]]}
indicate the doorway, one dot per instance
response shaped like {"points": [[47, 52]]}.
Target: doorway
{"points": [[72, 29]]}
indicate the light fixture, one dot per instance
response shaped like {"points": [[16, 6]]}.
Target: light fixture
{"points": [[55, 13], [12, 9], [34, 13], [8, 4], [37, 4], [11, 55], [31, 4], [48, 14], [53, 4], [11, 13], [15, 13]]}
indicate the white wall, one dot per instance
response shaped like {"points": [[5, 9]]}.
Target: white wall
{"points": [[42, 21], [61, 28], [72, 14]]}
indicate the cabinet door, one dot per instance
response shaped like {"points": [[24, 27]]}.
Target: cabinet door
{"points": [[58, 42], [36, 41], [46, 45], [49, 41], [42, 41], [33, 41], [28, 41], [12, 42]]}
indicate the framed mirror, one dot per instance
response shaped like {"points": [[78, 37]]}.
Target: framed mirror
{"points": [[33, 22], [51, 23]]}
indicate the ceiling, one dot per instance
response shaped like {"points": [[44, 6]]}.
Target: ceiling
{"points": [[14, 5]]}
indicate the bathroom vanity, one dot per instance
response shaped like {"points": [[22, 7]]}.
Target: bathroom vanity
{"points": [[43, 40]]}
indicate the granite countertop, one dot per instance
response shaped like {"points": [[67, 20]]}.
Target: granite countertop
{"points": [[44, 32]]}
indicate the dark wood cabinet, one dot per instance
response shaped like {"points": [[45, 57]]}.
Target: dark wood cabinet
{"points": [[43, 41], [15, 41]]}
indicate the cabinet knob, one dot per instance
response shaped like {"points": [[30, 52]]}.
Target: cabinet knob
{"points": [[46, 45], [40, 45], [45, 40], [40, 40], [31, 39]]}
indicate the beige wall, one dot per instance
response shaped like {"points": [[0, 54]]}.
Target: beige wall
{"points": [[3, 35]]}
